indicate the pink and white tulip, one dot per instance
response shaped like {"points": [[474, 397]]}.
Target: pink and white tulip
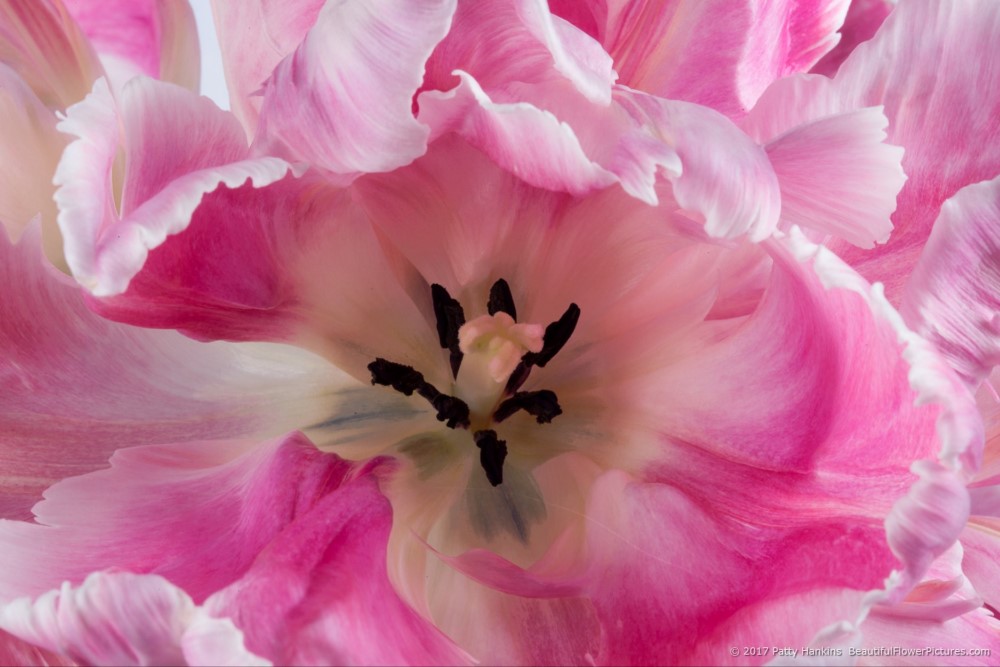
{"points": [[499, 332]]}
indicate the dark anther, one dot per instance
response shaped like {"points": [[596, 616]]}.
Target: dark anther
{"points": [[542, 405], [556, 335], [453, 411], [553, 340], [501, 300], [492, 452], [401, 378], [450, 318], [517, 378]]}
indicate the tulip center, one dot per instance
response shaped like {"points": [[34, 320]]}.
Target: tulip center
{"points": [[492, 346], [490, 358]]}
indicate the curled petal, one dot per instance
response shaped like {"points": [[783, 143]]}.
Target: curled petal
{"points": [[930, 518], [952, 296], [719, 53], [731, 190], [981, 556], [941, 110], [862, 21], [343, 99], [500, 44], [838, 177], [125, 619], [254, 36], [177, 146], [520, 137]]}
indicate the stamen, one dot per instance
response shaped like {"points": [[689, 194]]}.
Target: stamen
{"points": [[453, 411], [501, 300], [401, 378], [543, 405], [450, 318], [492, 452], [555, 337]]}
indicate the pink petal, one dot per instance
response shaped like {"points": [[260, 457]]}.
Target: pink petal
{"points": [[943, 593], [719, 53], [254, 37], [42, 43], [730, 189], [275, 252], [149, 513], [178, 147], [952, 295], [520, 137], [838, 177], [929, 642], [940, 110], [500, 44], [117, 618], [343, 99], [631, 142], [14, 651], [654, 546], [862, 21], [981, 557], [77, 387], [28, 138], [156, 38], [930, 518], [321, 593]]}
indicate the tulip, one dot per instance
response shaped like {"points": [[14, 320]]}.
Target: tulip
{"points": [[498, 332]]}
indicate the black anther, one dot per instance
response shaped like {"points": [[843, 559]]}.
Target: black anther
{"points": [[556, 335], [501, 300], [401, 378], [450, 318], [492, 452], [453, 411], [543, 405]]}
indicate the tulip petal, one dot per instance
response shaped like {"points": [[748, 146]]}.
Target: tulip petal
{"points": [[254, 36], [15, 651], [500, 44], [950, 642], [77, 387], [838, 177], [321, 593], [731, 191], [343, 100], [952, 296], [718, 53], [121, 619], [981, 557], [178, 147], [941, 110], [156, 38], [861, 23], [137, 514], [42, 43], [520, 137], [28, 139]]}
